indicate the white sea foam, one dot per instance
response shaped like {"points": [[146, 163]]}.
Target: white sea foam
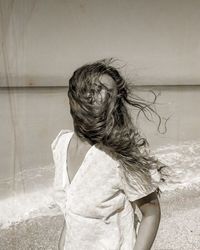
{"points": [[184, 163], [32, 196], [25, 206]]}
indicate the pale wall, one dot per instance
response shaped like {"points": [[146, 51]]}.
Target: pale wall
{"points": [[43, 42]]}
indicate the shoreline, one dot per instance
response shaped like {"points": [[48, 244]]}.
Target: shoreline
{"points": [[179, 227]]}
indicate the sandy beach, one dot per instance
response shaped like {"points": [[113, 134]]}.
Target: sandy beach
{"points": [[179, 228]]}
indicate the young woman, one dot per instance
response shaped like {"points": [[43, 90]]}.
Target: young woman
{"points": [[103, 168]]}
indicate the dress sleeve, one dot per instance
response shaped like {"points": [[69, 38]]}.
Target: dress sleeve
{"points": [[132, 189], [59, 181]]}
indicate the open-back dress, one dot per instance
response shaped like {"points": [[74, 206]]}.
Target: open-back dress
{"points": [[97, 203]]}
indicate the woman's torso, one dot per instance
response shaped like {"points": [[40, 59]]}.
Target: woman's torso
{"points": [[97, 212]]}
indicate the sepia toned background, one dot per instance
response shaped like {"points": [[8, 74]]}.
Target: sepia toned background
{"points": [[43, 42]]}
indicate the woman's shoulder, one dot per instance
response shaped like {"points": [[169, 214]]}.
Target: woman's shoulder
{"points": [[106, 157], [59, 137]]}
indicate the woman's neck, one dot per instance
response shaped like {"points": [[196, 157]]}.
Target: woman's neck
{"points": [[79, 143]]}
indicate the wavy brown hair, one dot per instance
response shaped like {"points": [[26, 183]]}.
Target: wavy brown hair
{"points": [[101, 117]]}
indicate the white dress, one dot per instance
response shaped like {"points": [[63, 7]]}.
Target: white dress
{"points": [[96, 205]]}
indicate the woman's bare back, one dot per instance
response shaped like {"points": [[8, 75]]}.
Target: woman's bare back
{"points": [[76, 153]]}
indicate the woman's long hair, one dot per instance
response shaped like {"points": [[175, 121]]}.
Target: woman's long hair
{"points": [[101, 117]]}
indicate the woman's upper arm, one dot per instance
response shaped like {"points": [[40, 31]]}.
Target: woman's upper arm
{"points": [[149, 205], [59, 193]]}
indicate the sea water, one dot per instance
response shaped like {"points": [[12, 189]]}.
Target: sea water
{"points": [[29, 195]]}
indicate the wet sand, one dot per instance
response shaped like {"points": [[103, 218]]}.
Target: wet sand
{"points": [[179, 228]]}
